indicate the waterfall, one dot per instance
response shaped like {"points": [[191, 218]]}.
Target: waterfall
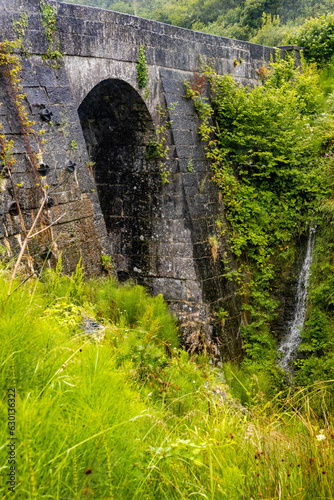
{"points": [[292, 340]]}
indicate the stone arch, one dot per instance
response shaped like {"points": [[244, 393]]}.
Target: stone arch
{"points": [[119, 134]]}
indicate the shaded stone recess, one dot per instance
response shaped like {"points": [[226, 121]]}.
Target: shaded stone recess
{"points": [[119, 132], [157, 234], [202, 208]]}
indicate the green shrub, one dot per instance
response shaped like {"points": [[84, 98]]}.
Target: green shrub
{"points": [[267, 146], [316, 37]]}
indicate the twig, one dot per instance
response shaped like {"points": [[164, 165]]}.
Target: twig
{"points": [[25, 243], [51, 191], [45, 228]]}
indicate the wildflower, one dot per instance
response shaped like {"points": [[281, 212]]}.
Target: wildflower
{"points": [[250, 430], [320, 437]]}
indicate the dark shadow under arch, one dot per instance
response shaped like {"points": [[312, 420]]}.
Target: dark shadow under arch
{"points": [[118, 129]]}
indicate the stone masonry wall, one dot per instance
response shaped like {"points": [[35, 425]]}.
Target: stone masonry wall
{"points": [[157, 234]]}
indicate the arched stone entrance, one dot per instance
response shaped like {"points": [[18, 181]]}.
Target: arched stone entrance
{"points": [[118, 130]]}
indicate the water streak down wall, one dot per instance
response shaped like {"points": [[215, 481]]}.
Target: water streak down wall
{"points": [[157, 234]]}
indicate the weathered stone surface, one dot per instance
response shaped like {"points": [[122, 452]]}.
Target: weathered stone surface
{"points": [[157, 233]]}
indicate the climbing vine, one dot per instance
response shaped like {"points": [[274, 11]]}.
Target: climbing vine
{"points": [[10, 65], [20, 25], [142, 72], [159, 148], [48, 19], [266, 146]]}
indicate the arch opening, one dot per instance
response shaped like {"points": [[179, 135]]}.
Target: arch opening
{"points": [[119, 131]]}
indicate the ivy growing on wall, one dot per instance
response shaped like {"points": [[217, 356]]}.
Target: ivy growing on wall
{"points": [[48, 19], [10, 68], [142, 71], [267, 149], [20, 26]]}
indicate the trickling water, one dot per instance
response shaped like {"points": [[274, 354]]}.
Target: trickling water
{"points": [[292, 340]]}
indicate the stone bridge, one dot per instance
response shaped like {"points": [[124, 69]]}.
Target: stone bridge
{"points": [[157, 233]]}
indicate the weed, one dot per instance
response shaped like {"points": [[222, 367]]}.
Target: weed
{"points": [[48, 19], [107, 264], [20, 26], [142, 70], [190, 165]]}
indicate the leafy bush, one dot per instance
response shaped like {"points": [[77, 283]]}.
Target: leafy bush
{"points": [[271, 33], [265, 146], [316, 37]]}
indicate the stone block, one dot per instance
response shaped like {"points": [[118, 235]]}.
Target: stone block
{"points": [[183, 137], [184, 268], [74, 211], [36, 96], [171, 289], [60, 96], [183, 250], [165, 266], [173, 208], [46, 76]]}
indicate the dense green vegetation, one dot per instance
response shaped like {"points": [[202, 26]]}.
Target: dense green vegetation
{"points": [[318, 335], [131, 416], [270, 149], [261, 21]]}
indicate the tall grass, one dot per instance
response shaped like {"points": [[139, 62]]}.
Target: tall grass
{"points": [[132, 417]]}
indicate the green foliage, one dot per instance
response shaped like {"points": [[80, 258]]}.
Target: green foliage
{"points": [[271, 32], [107, 264], [315, 36], [160, 147], [20, 25], [265, 145], [127, 419], [142, 70], [190, 165], [132, 307], [152, 151], [327, 80], [48, 18]]}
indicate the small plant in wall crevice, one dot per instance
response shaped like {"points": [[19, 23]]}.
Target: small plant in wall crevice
{"points": [[48, 19], [142, 72], [161, 145], [20, 25]]}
